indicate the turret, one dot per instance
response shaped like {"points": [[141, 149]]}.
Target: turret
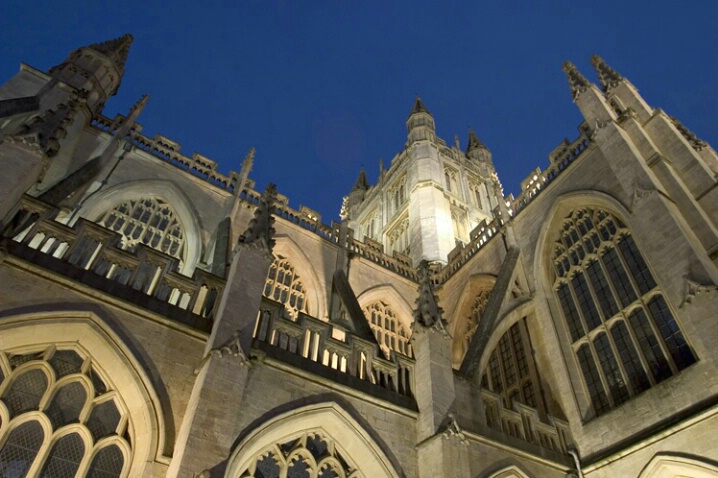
{"points": [[477, 150], [97, 69], [356, 196], [420, 123]]}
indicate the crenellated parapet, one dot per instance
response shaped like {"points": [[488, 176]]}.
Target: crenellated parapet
{"points": [[168, 151], [559, 160]]}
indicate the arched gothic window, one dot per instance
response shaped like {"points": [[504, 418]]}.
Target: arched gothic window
{"points": [[310, 455], [284, 286], [390, 332], [64, 389], [466, 329], [149, 221], [511, 371], [622, 331]]}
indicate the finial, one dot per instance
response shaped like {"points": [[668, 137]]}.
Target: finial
{"points": [[141, 103], [576, 81], [427, 312], [344, 211], [607, 76], [361, 184], [260, 230], [248, 160]]}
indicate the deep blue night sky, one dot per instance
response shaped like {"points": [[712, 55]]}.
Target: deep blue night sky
{"points": [[323, 88]]}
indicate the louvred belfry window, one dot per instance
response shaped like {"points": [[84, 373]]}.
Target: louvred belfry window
{"points": [[623, 333], [90, 433], [150, 221], [283, 285]]}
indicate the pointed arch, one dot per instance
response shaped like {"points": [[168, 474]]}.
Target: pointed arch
{"points": [[286, 247], [461, 323], [616, 326], [328, 419], [512, 471], [188, 216], [87, 333], [666, 465]]}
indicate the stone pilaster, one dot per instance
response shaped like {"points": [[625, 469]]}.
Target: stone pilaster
{"points": [[208, 430]]}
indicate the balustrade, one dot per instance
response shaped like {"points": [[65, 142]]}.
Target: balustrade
{"points": [[524, 423], [334, 348], [87, 246]]}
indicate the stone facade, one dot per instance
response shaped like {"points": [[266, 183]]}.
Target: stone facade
{"points": [[160, 318]]}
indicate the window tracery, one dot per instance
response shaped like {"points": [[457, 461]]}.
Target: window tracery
{"points": [[150, 221], [450, 180], [624, 336], [399, 237], [511, 371], [389, 330], [467, 327], [283, 285], [309, 455], [60, 413]]}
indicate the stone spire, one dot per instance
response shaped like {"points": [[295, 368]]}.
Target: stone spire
{"points": [[419, 107], [260, 231], [246, 168], [361, 184], [576, 81], [607, 76], [117, 50], [427, 312]]}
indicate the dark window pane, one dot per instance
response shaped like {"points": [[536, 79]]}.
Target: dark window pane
{"points": [[570, 313], [636, 264], [25, 392], [67, 404], [603, 292], [637, 377], [671, 334], [649, 345], [618, 276], [495, 373], [65, 457], [107, 463], [585, 301], [507, 360], [20, 449], [592, 379], [614, 378]]}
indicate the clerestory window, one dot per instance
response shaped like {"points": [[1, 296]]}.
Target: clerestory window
{"points": [[624, 336], [283, 285], [150, 221], [389, 330], [89, 434]]}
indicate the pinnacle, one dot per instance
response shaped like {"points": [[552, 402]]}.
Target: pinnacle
{"points": [[361, 184], [608, 77], [427, 312], [474, 142], [116, 49], [419, 107], [576, 81]]}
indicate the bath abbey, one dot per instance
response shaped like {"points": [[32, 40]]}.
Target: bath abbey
{"points": [[159, 318]]}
